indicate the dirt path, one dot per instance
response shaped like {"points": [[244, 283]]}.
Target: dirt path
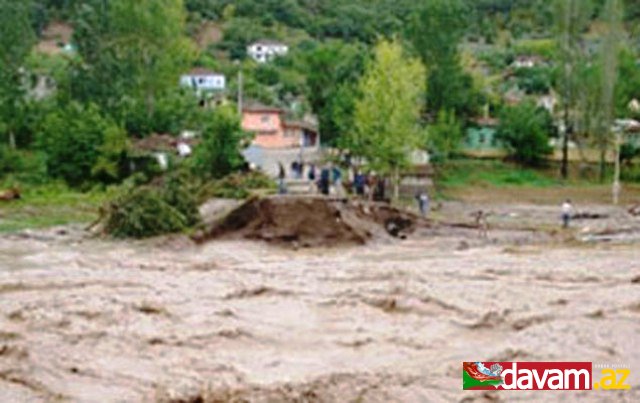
{"points": [[91, 320]]}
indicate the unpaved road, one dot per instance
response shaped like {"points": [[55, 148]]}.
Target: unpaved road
{"points": [[95, 320]]}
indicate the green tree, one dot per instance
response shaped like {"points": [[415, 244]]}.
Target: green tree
{"points": [[16, 39], [219, 153], [82, 145], [436, 31], [524, 131], [571, 20], [610, 52], [130, 49], [444, 135], [331, 69], [387, 116]]}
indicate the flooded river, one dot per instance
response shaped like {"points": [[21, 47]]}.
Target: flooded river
{"points": [[96, 320]]}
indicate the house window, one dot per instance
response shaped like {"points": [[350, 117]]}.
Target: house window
{"points": [[201, 80], [265, 119]]}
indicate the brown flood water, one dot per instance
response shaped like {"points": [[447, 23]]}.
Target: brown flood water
{"points": [[96, 320]]}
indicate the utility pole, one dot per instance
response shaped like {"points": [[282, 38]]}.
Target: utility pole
{"points": [[617, 187]]}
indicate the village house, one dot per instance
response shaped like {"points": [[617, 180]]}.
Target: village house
{"points": [[265, 50], [203, 80], [481, 136], [527, 62], [273, 131]]}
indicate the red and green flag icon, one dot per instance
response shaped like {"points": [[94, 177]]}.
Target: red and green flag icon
{"points": [[475, 375]]}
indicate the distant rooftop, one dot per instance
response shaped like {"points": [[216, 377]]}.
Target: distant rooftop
{"points": [[260, 108], [201, 71]]}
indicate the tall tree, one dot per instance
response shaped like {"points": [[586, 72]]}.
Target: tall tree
{"points": [[436, 31], [387, 126], [613, 15], [16, 40], [572, 18], [131, 49], [331, 69]]}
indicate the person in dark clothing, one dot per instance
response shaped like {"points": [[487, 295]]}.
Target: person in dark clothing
{"points": [[359, 183], [380, 189], [325, 181], [423, 202], [311, 175], [282, 175], [336, 176]]}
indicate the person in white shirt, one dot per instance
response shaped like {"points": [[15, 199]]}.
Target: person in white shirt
{"points": [[567, 210]]}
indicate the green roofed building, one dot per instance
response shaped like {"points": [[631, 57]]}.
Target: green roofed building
{"points": [[480, 138]]}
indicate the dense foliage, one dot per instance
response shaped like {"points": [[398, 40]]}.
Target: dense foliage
{"points": [[81, 144], [381, 76], [387, 115], [524, 130], [165, 206], [218, 155]]}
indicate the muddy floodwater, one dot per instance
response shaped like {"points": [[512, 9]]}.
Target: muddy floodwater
{"points": [[86, 319]]}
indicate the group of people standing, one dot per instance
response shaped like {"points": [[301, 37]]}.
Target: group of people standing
{"points": [[323, 178], [329, 179]]}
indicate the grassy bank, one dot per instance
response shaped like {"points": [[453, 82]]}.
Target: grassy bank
{"points": [[492, 181], [463, 173], [48, 205]]}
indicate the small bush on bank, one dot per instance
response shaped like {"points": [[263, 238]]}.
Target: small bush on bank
{"points": [[22, 166], [166, 206], [169, 204], [141, 214], [524, 130]]}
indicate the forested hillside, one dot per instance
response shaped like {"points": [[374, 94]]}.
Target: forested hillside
{"points": [[84, 78]]}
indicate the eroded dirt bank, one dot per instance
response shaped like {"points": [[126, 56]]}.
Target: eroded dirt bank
{"points": [[94, 320]]}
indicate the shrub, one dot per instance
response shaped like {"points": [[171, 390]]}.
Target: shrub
{"points": [[219, 153], [22, 166], [143, 213], [82, 145], [179, 193], [166, 206], [11, 160], [524, 130], [535, 80], [445, 135]]}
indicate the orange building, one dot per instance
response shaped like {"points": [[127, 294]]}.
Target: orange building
{"points": [[273, 131]]}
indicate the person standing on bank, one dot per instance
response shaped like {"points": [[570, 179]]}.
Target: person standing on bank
{"points": [[282, 175], [423, 202], [567, 211]]}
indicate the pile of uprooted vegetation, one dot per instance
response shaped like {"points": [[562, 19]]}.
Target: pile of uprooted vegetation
{"points": [[236, 186], [169, 204], [311, 222]]}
